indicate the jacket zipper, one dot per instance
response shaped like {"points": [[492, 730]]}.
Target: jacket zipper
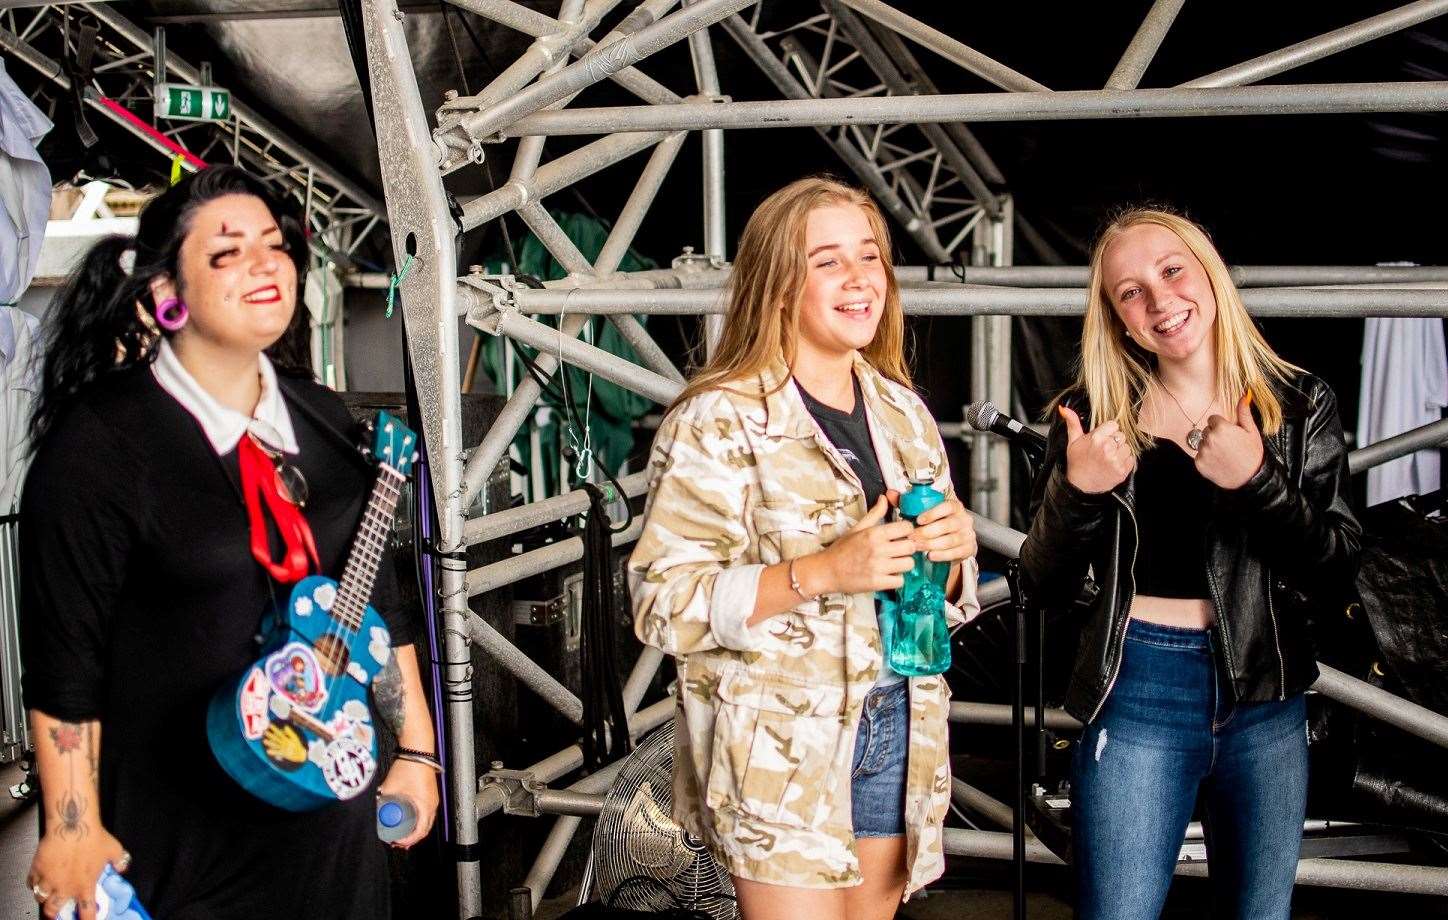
{"points": [[1276, 641], [1272, 608], [1121, 642]]}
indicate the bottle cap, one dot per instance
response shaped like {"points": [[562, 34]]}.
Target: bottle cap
{"points": [[390, 814]]}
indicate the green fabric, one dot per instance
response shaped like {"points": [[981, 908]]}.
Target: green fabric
{"points": [[614, 408]]}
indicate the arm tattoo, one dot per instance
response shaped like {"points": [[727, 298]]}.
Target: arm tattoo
{"points": [[70, 738], [67, 736], [387, 695], [70, 816]]}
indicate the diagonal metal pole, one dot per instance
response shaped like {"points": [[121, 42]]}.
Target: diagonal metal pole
{"points": [[611, 367], [515, 16], [598, 65], [514, 415], [1144, 44], [558, 243], [556, 175], [483, 635], [1305, 52], [951, 49]]}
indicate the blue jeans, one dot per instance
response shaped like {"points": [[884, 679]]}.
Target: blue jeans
{"points": [[877, 775], [1169, 731]]}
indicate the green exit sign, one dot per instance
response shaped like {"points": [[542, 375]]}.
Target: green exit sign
{"points": [[196, 103]]}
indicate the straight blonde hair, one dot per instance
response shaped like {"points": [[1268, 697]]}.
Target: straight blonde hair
{"points": [[761, 321], [1115, 372]]}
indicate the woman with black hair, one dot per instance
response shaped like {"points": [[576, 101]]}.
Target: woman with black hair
{"points": [[145, 579]]}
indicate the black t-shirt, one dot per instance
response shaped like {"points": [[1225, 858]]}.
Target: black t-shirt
{"points": [[1173, 505], [140, 597], [849, 432]]}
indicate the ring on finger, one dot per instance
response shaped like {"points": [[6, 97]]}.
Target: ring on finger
{"points": [[41, 895], [123, 862]]}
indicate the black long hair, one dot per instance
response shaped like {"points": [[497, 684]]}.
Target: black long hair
{"points": [[93, 327]]}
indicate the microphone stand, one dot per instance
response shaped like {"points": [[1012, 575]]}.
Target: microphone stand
{"points": [[1019, 603]]}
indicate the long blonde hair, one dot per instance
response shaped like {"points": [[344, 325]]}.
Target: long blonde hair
{"points": [[1115, 372], [761, 321]]}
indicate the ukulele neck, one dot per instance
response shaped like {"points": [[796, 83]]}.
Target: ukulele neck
{"points": [[355, 588]]}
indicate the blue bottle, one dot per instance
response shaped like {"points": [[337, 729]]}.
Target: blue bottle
{"points": [[115, 899], [916, 640], [395, 818]]}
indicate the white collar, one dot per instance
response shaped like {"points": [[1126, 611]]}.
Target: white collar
{"points": [[223, 426]]}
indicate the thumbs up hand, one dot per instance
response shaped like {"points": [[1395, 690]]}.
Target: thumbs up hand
{"points": [[1231, 451], [1099, 461]]}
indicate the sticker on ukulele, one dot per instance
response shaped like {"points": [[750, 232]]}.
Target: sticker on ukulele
{"points": [[253, 705], [347, 766], [284, 746], [295, 674]]}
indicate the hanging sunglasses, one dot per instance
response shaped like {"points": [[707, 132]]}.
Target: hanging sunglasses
{"points": [[291, 485]]}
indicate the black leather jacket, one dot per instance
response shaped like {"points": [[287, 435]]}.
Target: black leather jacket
{"points": [[1285, 540]]}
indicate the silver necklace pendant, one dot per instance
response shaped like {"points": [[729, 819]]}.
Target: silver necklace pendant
{"points": [[1194, 438]]}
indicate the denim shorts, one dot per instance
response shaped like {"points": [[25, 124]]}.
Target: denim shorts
{"points": [[877, 775]]}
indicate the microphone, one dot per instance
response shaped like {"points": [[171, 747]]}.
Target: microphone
{"points": [[984, 416]]}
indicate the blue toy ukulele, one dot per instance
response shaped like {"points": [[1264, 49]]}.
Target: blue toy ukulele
{"points": [[295, 730]]}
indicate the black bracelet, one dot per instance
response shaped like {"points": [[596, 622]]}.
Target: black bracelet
{"points": [[416, 753]]}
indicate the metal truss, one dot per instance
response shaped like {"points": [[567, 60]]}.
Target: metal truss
{"points": [[847, 69], [120, 74], [918, 173]]}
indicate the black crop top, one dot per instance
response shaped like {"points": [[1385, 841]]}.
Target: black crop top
{"points": [[1173, 503]]}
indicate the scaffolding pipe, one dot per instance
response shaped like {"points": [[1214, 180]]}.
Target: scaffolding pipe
{"points": [[590, 358], [583, 798], [1066, 105], [995, 536], [966, 300], [1144, 44], [1323, 873], [505, 523], [644, 669], [1243, 276], [516, 568], [1430, 435], [995, 811], [598, 65], [482, 634], [514, 415], [1305, 52], [958, 53], [491, 799], [558, 243], [636, 207], [1380, 704], [654, 357], [513, 15], [1000, 714], [554, 176]]}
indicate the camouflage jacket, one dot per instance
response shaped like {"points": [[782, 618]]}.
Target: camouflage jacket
{"points": [[766, 715]]}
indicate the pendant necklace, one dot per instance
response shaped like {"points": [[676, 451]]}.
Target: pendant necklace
{"points": [[1194, 437]]}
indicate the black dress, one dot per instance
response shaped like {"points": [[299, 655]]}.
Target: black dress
{"points": [[140, 597]]}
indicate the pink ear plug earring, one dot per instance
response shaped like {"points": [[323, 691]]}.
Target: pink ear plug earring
{"points": [[171, 314]]}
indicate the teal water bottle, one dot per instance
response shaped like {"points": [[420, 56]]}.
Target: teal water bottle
{"points": [[916, 640]]}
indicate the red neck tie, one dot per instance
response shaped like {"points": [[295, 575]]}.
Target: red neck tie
{"points": [[258, 482]]}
